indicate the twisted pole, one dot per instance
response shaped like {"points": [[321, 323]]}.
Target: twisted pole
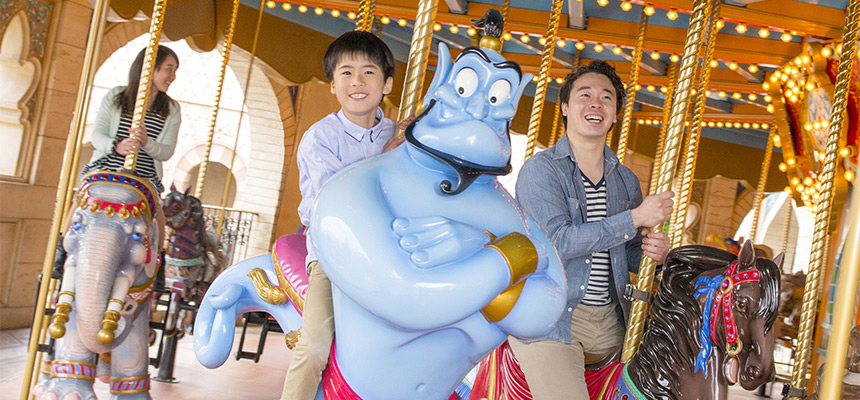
{"points": [[145, 76], [73, 146], [822, 216], [422, 36], [762, 181], [636, 65], [364, 21], [692, 149], [667, 168], [786, 230], [228, 44], [555, 124], [546, 63], [661, 140]]}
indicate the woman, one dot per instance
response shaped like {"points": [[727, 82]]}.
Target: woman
{"points": [[113, 136]]}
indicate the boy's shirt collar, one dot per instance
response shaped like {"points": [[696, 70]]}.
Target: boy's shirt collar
{"points": [[356, 131], [562, 150]]}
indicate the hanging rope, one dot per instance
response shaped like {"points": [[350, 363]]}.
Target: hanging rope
{"points": [[667, 168], [229, 179], [822, 216], [636, 65], [679, 218], [228, 44], [422, 35], [145, 77], [762, 181], [543, 76]]}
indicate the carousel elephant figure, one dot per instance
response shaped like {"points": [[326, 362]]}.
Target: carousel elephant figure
{"points": [[432, 262], [102, 311]]}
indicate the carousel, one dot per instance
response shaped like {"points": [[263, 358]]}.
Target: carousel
{"points": [[748, 110]]}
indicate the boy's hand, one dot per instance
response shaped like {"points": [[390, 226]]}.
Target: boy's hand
{"points": [[405, 123], [654, 210], [393, 143], [655, 245], [433, 241]]}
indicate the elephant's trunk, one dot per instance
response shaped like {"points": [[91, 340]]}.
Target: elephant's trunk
{"points": [[98, 261]]}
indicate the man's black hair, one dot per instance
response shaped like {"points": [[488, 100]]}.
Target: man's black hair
{"points": [[359, 42], [599, 67]]}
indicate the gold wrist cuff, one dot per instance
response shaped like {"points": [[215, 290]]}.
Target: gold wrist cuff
{"points": [[519, 253], [499, 308]]}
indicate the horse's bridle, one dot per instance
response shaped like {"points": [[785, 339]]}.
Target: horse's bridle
{"points": [[720, 292]]}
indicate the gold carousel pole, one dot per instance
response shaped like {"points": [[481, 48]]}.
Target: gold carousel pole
{"points": [[667, 110], [689, 171], [228, 43], [228, 181], [843, 306], [667, 167], [635, 66], [364, 22], [543, 76], [73, 144], [822, 216], [762, 181], [555, 124], [787, 230], [422, 36], [145, 76]]}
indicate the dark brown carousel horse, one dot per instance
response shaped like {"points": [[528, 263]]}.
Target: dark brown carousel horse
{"points": [[710, 327], [194, 256]]}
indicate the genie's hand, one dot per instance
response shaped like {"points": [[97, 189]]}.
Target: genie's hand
{"points": [[433, 241]]}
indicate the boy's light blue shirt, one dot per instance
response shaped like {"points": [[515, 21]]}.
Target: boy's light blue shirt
{"points": [[330, 145], [549, 187]]}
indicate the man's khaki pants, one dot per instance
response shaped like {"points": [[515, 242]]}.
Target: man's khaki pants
{"points": [[556, 370], [310, 355]]}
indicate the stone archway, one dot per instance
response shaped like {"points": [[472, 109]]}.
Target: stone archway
{"points": [[20, 74]]}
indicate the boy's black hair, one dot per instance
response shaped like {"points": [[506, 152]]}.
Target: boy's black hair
{"points": [[125, 100], [359, 42], [599, 67]]}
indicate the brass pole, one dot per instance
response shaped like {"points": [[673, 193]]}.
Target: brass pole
{"points": [[667, 109], [787, 230], [843, 306], [422, 36], [692, 147], [667, 167], [762, 181], [555, 124], [145, 76], [364, 22], [97, 24], [822, 216], [635, 66], [543, 76], [228, 44], [506, 7], [228, 181]]}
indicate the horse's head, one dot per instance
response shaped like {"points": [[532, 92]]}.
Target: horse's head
{"points": [[177, 207], [739, 305], [468, 108]]}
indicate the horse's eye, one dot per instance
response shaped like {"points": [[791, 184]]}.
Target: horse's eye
{"points": [[742, 305]]}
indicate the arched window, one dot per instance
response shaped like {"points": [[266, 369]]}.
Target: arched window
{"points": [[19, 75]]}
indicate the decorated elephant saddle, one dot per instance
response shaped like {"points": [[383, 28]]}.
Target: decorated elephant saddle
{"points": [[288, 257]]}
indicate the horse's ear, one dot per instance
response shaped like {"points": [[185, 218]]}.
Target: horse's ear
{"points": [[778, 260], [747, 254], [188, 191], [173, 187]]}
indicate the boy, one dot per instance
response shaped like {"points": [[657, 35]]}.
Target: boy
{"points": [[590, 207], [361, 70]]}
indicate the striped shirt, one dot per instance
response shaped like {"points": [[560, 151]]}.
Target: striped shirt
{"points": [[145, 167], [597, 292]]}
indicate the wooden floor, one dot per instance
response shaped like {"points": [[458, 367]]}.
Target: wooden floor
{"points": [[241, 379]]}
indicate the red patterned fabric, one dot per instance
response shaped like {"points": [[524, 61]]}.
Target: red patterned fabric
{"points": [[595, 380], [510, 380]]}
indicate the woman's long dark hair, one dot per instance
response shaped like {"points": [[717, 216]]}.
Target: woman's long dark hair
{"points": [[125, 99]]}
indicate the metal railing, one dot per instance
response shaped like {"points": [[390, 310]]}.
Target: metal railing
{"points": [[235, 232]]}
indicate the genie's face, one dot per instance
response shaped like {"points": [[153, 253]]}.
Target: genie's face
{"points": [[469, 106]]}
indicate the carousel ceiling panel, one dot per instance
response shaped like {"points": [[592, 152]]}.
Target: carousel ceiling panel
{"points": [[195, 20]]}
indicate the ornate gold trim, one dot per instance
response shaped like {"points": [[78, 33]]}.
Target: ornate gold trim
{"points": [[269, 293], [519, 253], [501, 306], [285, 286]]}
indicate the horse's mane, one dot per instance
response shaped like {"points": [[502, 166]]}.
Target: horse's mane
{"points": [[666, 348]]}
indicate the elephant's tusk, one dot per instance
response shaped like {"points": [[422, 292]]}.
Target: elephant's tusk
{"points": [[64, 303], [111, 316]]}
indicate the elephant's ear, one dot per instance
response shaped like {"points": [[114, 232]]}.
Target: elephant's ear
{"points": [[747, 254]]}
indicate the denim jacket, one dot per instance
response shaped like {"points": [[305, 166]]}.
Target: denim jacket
{"points": [[550, 189]]}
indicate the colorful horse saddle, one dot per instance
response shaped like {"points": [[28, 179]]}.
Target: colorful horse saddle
{"points": [[288, 258]]}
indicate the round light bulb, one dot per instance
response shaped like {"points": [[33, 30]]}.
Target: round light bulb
{"points": [[385, 20], [617, 50], [525, 38], [674, 58], [626, 6], [741, 27], [454, 29], [785, 37], [672, 14], [318, 11], [598, 47], [303, 8], [602, 3], [561, 43], [736, 95], [753, 68], [287, 6], [714, 63], [722, 94], [764, 32], [472, 31], [720, 24], [651, 88], [649, 10], [655, 55], [403, 22], [335, 13], [752, 97], [437, 26], [733, 65], [542, 40], [770, 108], [506, 36], [351, 15], [270, 4], [580, 45]]}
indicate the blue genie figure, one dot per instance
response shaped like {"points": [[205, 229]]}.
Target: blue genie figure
{"points": [[432, 262]]}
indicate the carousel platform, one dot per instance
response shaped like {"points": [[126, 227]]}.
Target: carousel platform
{"points": [[242, 379]]}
